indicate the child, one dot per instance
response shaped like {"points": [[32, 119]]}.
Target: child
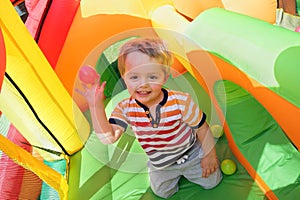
{"points": [[170, 127]]}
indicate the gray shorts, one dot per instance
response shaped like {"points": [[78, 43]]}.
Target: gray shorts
{"points": [[164, 182]]}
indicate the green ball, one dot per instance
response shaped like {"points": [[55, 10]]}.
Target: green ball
{"points": [[228, 167], [216, 130]]}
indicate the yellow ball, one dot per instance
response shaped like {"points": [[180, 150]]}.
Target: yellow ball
{"points": [[216, 130], [228, 167]]}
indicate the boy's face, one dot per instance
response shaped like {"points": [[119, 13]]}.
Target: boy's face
{"points": [[144, 78]]}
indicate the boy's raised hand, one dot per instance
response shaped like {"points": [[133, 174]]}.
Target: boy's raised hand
{"points": [[94, 93], [92, 90]]}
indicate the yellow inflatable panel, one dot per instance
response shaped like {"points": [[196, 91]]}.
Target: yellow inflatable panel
{"points": [[193, 8], [23, 158], [263, 10], [32, 97], [170, 29], [137, 8]]}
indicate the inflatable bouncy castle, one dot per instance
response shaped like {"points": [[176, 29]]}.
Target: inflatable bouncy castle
{"points": [[234, 57]]}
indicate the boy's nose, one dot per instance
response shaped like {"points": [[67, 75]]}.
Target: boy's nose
{"points": [[144, 82]]}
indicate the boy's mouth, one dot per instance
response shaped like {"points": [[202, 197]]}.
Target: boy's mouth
{"points": [[143, 92]]}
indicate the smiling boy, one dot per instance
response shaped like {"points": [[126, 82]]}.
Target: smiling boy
{"points": [[168, 124]]}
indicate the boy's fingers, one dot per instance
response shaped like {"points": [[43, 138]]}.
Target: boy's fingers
{"points": [[102, 87], [206, 172], [79, 91], [83, 85]]}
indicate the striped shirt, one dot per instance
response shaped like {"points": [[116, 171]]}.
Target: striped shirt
{"points": [[166, 136]]}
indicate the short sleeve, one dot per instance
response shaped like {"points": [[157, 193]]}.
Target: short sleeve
{"points": [[118, 115], [191, 113]]}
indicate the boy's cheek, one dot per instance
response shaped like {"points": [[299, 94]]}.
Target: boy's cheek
{"points": [[130, 89], [157, 85]]}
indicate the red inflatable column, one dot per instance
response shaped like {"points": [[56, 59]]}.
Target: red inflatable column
{"points": [[11, 174], [56, 27]]}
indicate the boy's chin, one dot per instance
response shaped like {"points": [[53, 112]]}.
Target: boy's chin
{"points": [[143, 100]]}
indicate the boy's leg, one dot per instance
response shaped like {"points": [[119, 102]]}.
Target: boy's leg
{"points": [[164, 183], [211, 181], [193, 171]]}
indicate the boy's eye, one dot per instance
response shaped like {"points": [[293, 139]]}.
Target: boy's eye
{"points": [[153, 77], [133, 77]]}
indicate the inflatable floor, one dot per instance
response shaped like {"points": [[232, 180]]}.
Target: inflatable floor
{"points": [[120, 172]]}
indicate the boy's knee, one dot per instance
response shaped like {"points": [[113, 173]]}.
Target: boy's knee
{"points": [[164, 184], [165, 194], [216, 178]]}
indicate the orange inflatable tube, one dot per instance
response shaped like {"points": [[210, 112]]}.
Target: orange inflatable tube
{"points": [[88, 37]]}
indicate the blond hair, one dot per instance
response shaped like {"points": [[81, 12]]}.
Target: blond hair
{"points": [[153, 47]]}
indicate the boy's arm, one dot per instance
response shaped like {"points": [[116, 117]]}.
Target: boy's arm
{"points": [[106, 132], [209, 162]]}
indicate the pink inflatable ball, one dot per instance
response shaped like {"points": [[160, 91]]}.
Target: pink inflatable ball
{"points": [[88, 75], [297, 29]]}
